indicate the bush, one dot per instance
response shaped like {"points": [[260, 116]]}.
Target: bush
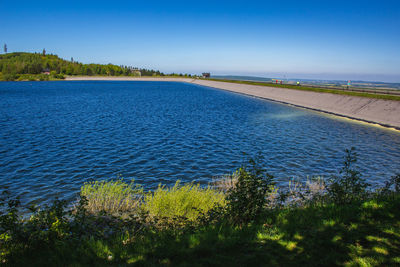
{"points": [[10, 77], [59, 76], [42, 231], [248, 198], [188, 201], [112, 197], [54, 75], [47, 226], [43, 77], [11, 229], [391, 186], [348, 186]]}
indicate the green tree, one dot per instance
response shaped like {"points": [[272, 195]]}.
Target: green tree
{"points": [[34, 63], [247, 199], [349, 186]]}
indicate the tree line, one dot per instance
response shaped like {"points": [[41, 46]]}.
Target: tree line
{"points": [[37, 63]]}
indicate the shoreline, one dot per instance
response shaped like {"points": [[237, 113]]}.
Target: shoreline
{"points": [[374, 111], [124, 78]]}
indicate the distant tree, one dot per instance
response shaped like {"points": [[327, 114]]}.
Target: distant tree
{"points": [[35, 63], [5, 48], [72, 59]]}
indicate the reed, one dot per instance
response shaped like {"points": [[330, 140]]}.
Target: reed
{"points": [[113, 197], [189, 201]]}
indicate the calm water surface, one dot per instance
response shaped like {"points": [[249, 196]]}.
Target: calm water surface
{"points": [[54, 136]]}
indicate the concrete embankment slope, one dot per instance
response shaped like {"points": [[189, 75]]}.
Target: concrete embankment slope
{"points": [[384, 112]]}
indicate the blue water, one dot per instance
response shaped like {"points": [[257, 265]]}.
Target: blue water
{"points": [[54, 136]]}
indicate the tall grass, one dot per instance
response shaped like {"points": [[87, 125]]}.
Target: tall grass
{"points": [[113, 197], [189, 200]]}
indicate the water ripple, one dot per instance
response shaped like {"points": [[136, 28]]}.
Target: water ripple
{"points": [[54, 136]]}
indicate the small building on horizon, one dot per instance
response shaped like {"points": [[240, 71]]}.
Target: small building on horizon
{"points": [[206, 75], [46, 71]]}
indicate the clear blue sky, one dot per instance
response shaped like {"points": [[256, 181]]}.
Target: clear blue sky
{"points": [[308, 39]]}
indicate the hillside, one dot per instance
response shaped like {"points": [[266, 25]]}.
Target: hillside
{"points": [[33, 66]]}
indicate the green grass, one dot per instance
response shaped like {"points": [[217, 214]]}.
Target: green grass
{"points": [[361, 234], [353, 235], [314, 89]]}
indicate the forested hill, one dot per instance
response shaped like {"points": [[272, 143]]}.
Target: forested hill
{"points": [[20, 64]]}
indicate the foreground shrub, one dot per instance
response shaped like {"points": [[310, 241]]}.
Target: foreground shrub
{"points": [[393, 185], [44, 229], [248, 198], [187, 201], [113, 197], [11, 226], [349, 186]]}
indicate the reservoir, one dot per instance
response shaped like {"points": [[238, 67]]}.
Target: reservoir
{"points": [[54, 136]]}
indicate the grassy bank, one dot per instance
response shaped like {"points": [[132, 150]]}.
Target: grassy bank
{"points": [[314, 89], [240, 220]]}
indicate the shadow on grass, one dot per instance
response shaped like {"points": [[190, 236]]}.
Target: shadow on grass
{"points": [[358, 234], [362, 234]]}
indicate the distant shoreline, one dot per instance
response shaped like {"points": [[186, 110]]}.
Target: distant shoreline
{"points": [[126, 78], [376, 111]]}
